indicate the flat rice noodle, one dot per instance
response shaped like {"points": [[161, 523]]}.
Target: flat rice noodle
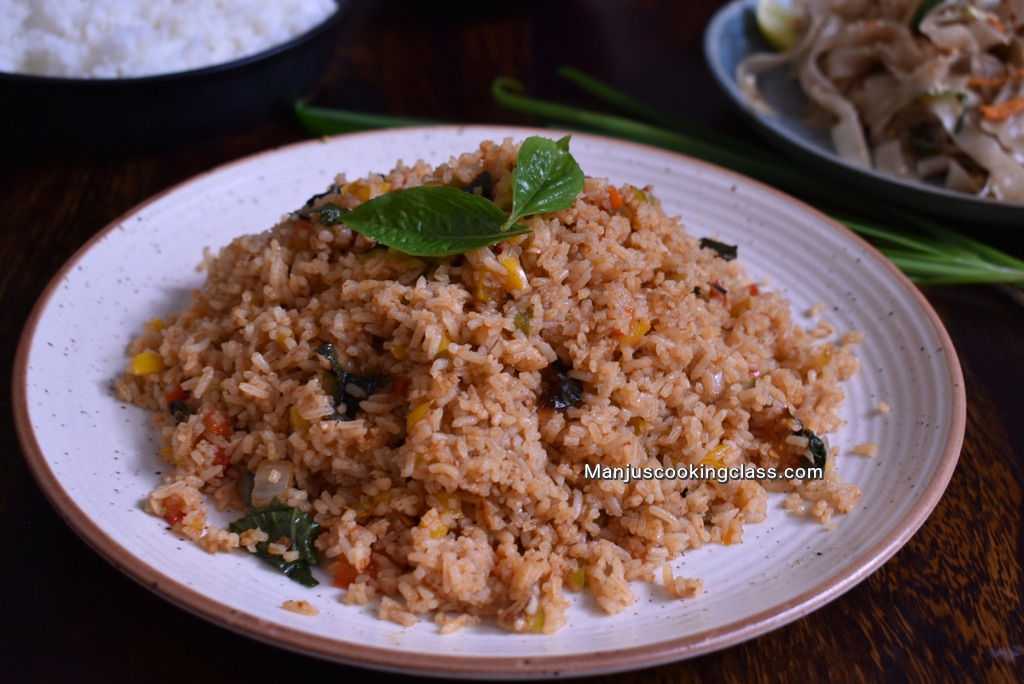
{"points": [[1009, 131], [1006, 176], [750, 69], [957, 178], [986, 65], [879, 98], [849, 62], [847, 134], [882, 104], [953, 28], [932, 166], [890, 158], [889, 42], [1010, 134]]}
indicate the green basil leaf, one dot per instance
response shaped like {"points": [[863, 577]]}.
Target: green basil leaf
{"points": [[562, 390], [330, 214], [815, 447], [441, 220], [431, 221], [346, 405], [280, 520], [726, 251], [546, 178]]}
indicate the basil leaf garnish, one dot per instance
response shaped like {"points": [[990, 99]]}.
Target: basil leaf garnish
{"points": [[816, 447], [727, 252], [330, 214], [280, 520], [431, 221], [563, 390], [346, 406], [442, 220], [546, 178]]}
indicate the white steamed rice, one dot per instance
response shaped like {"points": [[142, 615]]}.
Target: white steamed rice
{"points": [[124, 39]]}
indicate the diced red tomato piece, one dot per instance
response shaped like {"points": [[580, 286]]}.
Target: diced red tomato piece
{"points": [[222, 459], [217, 424], [400, 387], [174, 513], [719, 292], [614, 198], [176, 395], [344, 573]]}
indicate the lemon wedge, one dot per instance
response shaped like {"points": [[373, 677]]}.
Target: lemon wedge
{"points": [[781, 22]]}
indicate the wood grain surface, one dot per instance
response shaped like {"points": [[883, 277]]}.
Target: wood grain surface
{"points": [[947, 607]]}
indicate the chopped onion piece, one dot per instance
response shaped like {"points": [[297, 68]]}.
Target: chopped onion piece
{"points": [[271, 479]]}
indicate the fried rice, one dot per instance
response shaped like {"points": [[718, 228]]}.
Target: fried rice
{"points": [[485, 390]]}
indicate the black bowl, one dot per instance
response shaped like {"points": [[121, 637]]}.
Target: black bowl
{"points": [[154, 112]]}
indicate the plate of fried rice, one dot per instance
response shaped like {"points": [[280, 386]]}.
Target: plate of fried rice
{"points": [[676, 413]]}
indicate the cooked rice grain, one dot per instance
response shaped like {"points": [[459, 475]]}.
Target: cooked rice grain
{"points": [[301, 607]]}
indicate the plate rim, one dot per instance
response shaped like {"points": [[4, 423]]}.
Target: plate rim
{"points": [[892, 188], [466, 666]]}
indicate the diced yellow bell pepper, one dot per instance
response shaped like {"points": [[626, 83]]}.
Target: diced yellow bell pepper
{"points": [[639, 425], [484, 292], [296, 419], [536, 623], [147, 362], [418, 413], [444, 345], [282, 338], [637, 330], [713, 458], [516, 278], [361, 190], [823, 358], [451, 502]]}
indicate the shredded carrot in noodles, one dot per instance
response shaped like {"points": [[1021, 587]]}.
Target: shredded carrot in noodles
{"points": [[1003, 110], [995, 82]]}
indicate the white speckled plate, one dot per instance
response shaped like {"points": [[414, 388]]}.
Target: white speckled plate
{"points": [[732, 34], [96, 460]]}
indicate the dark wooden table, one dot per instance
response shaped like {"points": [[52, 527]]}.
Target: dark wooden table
{"points": [[947, 607]]}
